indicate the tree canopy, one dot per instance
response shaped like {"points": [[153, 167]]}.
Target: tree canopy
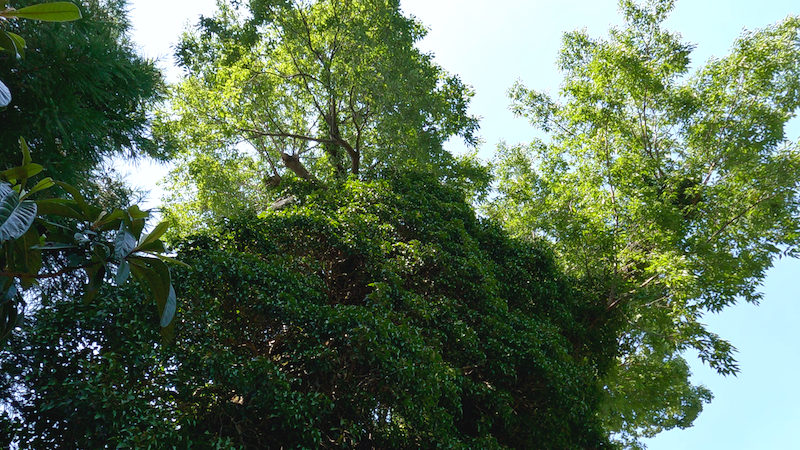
{"points": [[671, 192], [379, 314], [44, 237], [315, 89]]}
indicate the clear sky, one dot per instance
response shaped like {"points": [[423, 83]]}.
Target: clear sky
{"points": [[490, 44]]}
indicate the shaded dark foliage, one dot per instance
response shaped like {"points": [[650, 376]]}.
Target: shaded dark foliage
{"points": [[367, 314]]}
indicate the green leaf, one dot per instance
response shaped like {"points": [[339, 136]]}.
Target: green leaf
{"points": [[59, 207], [123, 272], [5, 95], [137, 213], [157, 232], [95, 274], [26, 151], [152, 247], [7, 294], [169, 307], [156, 274], [13, 43], [48, 12], [19, 42], [22, 172], [54, 246], [108, 219], [43, 184], [124, 243], [137, 225], [77, 196], [7, 44], [27, 258], [100, 252], [171, 260], [15, 217]]}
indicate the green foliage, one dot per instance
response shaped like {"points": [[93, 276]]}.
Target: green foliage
{"points": [[48, 12], [81, 397], [645, 379], [379, 314], [670, 192], [82, 95], [15, 44], [318, 90], [83, 237], [15, 216]]}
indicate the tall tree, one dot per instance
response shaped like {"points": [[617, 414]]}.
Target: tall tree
{"points": [[80, 94], [670, 192], [319, 89]]}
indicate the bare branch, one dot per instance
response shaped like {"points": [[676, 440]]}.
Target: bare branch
{"points": [[288, 135]]}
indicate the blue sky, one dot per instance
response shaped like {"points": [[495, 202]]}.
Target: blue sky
{"points": [[491, 44]]}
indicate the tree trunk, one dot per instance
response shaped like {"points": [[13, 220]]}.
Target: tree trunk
{"points": [[292, 162]]}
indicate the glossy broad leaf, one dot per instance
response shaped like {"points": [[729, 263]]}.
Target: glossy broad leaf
{"points": [[5, 95], [157, 232], [75, 193], [26, 151], [19, 43], [124, 243], [59, 207], [156, 274], [123, 272], [43, 184], [168, 313], [15, 217], [22, 172], [12, 43], [48, 12]]}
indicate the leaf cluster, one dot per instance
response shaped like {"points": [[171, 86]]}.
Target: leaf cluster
{"points": [[74, 236]]}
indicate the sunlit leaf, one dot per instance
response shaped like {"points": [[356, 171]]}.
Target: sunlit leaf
{"points": [[5, 95], [48, 12], [157, 232], [15, 217]]}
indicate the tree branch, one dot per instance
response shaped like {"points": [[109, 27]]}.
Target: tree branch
{"points": [[739, 216], [295, 165], [302, 137], [42, 276]]}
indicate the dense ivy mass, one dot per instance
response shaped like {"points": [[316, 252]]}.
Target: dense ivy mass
{"points": [[377, 314]]}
